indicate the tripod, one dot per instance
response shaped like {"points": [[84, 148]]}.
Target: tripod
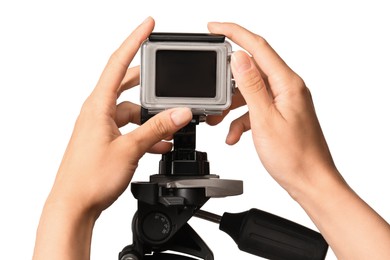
{"points": [[182, 186]]}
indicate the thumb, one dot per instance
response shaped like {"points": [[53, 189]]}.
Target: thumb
{"points": [[250, 82], [156, 129]]}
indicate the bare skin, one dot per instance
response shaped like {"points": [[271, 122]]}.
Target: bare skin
{"points": [[100, 161], [291, 146]]}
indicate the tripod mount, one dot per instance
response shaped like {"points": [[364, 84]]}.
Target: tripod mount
{"points": [[183, 185]]}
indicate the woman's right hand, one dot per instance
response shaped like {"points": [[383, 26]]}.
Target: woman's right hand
{"points": [[290, 143], [285, 129]]}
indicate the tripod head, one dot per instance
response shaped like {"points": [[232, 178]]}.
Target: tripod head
{"points": [[183, 185]]}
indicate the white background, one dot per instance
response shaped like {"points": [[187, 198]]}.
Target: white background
{"points": [[52, 53]]}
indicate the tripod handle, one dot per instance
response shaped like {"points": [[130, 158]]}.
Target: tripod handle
{"points": [[272, 237]]}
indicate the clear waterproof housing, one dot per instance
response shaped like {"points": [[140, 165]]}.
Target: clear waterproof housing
{"points": [[193, 74]]}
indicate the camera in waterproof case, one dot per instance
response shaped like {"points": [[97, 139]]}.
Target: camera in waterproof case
{"points": [[191, 70]]}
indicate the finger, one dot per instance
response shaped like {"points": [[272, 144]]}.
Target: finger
{"points": [[266, 57], [119, 61], [160, 148], [250, 83], [169, 138], [127, 112], [130, 80], [237, 128], [156, 129], [216, 119], [237, 101]]}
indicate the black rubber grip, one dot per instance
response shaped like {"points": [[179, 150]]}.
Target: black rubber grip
{"points": [[186, 37], [272, 237]]}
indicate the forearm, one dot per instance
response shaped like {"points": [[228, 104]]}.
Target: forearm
{"points": [[64, 232], [352, 229]]}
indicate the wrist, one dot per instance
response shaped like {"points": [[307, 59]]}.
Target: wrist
{"points": [[319, 186], [69, 195], [74, 206], [324, 196], [64, 226], [348, 224]]}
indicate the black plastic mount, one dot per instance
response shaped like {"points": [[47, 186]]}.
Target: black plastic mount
{"points": [[184, 160]]}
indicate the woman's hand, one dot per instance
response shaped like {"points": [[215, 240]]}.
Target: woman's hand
{"points": [[292, 147], [285, 129], [100, 161]]}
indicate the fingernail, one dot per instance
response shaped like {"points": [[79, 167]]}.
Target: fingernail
{"points": [[241, 61], [146, 20], [228, 137], [180, 116]]}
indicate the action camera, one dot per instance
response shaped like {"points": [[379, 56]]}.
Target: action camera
{"points": [[191, 70]]}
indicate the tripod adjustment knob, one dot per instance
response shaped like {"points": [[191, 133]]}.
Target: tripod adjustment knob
{"points": [[156, 227]]}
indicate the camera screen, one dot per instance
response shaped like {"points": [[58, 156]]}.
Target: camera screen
{"points": [[182, 73]]}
